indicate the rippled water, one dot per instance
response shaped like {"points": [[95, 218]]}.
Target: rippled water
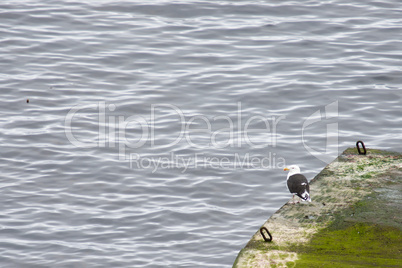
{"points": [[156, 132]]}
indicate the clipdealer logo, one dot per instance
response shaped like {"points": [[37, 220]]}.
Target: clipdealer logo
{"points": [[129, 133], [113, 131], [330, 151]]}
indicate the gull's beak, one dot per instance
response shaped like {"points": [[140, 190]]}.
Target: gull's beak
{"points": [[285, 169]]}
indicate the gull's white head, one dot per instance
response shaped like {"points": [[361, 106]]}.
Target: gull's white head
{"points": [[293, 169]]}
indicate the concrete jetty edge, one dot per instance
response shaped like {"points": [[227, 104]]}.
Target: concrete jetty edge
{"points": [[354, 218]]}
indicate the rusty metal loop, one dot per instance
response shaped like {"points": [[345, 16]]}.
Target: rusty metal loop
{"points": [[358, 148], [263, 235]]}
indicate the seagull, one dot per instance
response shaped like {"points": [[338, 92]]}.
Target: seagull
{"points": [[297, 183]]}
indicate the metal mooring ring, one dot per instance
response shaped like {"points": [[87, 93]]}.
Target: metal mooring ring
{"points": [[263, 235], [358, 148]]}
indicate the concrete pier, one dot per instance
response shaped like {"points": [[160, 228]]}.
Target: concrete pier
{"points": [[354, 219]]}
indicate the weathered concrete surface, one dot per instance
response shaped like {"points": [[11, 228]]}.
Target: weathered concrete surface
{"points": [[355, 213]]}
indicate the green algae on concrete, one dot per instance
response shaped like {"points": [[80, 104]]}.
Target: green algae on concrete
{"points": [[359, 236], [359, 245], [354, 220]]}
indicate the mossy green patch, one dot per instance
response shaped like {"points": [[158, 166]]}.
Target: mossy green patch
{"points": [[358, 245], [367, 175], [364, 235]]}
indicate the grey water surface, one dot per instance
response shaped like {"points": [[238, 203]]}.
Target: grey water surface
{"points": [[156, 132]]}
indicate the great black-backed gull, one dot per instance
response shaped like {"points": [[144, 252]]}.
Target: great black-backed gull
{"points": [[297, 183]]}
